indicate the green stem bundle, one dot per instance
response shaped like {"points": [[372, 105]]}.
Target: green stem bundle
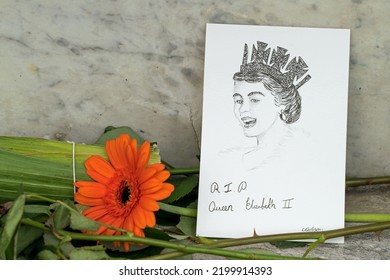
{"points": [[214, 247]]}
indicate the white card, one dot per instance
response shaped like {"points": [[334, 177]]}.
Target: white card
{"points": [[273, 148]]}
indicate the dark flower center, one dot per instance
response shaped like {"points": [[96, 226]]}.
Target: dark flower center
{"points": [[124, 193]]}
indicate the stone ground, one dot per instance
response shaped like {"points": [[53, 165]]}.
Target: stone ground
{"points": [[367, 246]]}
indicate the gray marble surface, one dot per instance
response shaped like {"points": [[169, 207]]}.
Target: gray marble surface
{"points": [[70, 68]]}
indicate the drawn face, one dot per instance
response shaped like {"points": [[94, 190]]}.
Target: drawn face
{"points": [[254, 108]]}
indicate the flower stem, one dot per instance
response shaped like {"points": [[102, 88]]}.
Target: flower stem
{"points": [[329, 234], [188, 249], [355, 182], [184, 171], [320, 237], [30, 222], [178, 210], [213, 248], [366, 218]]}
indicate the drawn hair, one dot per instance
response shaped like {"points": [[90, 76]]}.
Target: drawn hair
{"points": [[288, 97]]}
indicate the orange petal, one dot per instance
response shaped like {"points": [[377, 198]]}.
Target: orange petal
{"points": [[126, 245], [157, 166], [122, 152], [101, 230], [88, 201], [82, 184], [91, 189], [99, 164], [152, 190], [99, 169], [104, 219], [134, 151], [168, 186], [95, 212], [139, 217], [150, 218], [113, 154], [129, 224], [148, 204], [150, 184], [139, 232], [118, 222], [116, 151], [146, 174], [130, 156], [107, 219], [162, 193], [162, 175], [96, 176], [143, 155]]}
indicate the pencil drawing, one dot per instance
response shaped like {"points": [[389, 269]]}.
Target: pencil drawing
{"points": [[266, 98]]}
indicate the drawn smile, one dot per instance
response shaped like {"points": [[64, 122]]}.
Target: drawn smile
{"points": [[248, 122]]}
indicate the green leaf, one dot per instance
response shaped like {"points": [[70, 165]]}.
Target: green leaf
{"points": [[80, 222], [51, 241], [64, 217], [61, 217], [36, 209], [112, 133], [156, 234], [12, 221], [183, 186], [188, 224], [27, 235], [47, 255], [89, 253], [80, 207]]}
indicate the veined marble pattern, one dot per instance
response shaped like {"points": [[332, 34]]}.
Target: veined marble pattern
{"points": [[70, 68]]}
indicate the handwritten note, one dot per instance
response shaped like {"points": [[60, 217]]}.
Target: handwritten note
{"points": [[258, 203]]}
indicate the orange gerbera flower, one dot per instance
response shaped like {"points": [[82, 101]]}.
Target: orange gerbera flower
{"points": [[125, 190]]}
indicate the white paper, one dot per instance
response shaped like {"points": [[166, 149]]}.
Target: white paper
{"points": [[258, 173]]}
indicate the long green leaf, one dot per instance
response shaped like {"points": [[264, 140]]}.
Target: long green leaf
{"points": [[11, 224]]}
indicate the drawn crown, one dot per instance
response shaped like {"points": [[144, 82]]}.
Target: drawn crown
{"points": [[275, 64]]}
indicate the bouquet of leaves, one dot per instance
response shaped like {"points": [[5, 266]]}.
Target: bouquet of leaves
{"points": [[116, 199]]}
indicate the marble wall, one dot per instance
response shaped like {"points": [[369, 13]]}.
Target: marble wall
{"points": [[68, 69]]}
